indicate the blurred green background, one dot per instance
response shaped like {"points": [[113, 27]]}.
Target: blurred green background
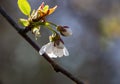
{"points": [[94, 46]]}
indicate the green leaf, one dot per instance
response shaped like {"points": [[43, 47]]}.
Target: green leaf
{"points": [[45, 9], [24, 22], [24, 7]]}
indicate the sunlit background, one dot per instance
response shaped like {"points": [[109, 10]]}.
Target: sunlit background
{"points": [[94, 46]]}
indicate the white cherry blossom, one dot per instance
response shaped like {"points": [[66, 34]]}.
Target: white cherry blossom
{"points": [[53, 50]]}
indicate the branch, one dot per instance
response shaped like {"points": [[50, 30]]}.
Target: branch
{"points": [[56, 67]]}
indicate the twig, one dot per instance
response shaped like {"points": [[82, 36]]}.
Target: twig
{"points": [[56, 67]]}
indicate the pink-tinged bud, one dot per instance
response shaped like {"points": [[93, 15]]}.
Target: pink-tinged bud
{"points": [[51, 10], [41, 6], [44, 11], [64, 30]]}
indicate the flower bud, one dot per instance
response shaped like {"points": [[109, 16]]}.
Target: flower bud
{"points": [[64, 30], [36, 32]]}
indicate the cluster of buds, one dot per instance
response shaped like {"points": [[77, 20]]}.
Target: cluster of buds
{"points": [[41, 13], [38, 18], [55, 48]]}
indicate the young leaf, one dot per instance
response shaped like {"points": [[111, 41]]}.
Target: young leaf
{"points": [[45, 9], [24, 22], [24, 7]]}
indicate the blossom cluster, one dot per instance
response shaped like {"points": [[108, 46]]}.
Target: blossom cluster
{"points": [[55, 48]]}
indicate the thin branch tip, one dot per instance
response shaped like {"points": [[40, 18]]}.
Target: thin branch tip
{"points": [[56, 67]]}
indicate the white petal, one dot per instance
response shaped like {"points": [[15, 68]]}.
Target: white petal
{"points": [[65, 51], [42, 50], [58, 52], [52, 55], [49, 47], [60, 46], [46, 48]]}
